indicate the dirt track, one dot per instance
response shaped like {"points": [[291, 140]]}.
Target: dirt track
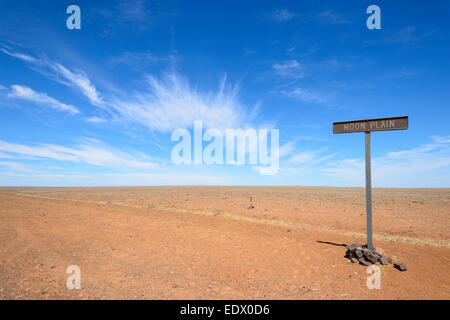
{"points": [[205, 242]]}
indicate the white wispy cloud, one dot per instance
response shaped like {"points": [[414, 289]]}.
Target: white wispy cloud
{"points": [[135, 59], [169, 103], [56, 71], [441, 140], [304, 156], [289, 69], [16, 166], [311, 157], [280, 15], [92, 152], [295, 160], [408, 34], [28, 94], [301, 162], [413, 167], [133, 10], [6, 156], [133, 15], [439, 149], [332, 17], [96, 120], [78, 81], [335, 63], [286, 149], [19, 55], [64, 178], [305, 95], [399, 73]]}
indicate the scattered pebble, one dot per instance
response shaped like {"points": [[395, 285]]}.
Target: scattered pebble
{"points": [[400, 266]]}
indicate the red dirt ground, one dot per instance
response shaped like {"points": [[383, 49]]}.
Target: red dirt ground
{"points": [[205, 242]]}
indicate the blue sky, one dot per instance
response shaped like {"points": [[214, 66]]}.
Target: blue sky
{"points": [[97, 106]]}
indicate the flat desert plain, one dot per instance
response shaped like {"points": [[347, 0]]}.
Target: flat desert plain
{"points": [[210, 243]]}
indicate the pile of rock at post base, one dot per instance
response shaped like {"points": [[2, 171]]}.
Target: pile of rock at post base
{"points": [[358, 253]]}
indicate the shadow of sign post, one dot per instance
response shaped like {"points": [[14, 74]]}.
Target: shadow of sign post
{"points": [[367, 126]]}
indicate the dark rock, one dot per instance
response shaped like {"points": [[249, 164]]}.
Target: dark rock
{"points": [[400, 266], [379, 251], [353, 246], [350, 254], [370, 256], [364, 262], [354, 260], [372, 259], [359, 253], [384, 260]]}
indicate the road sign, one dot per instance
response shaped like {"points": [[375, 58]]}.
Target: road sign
{"points": [[368, 125]]}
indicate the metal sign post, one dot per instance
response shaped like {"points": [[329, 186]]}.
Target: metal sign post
{"points": [[368, 193], [368, 125]]}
